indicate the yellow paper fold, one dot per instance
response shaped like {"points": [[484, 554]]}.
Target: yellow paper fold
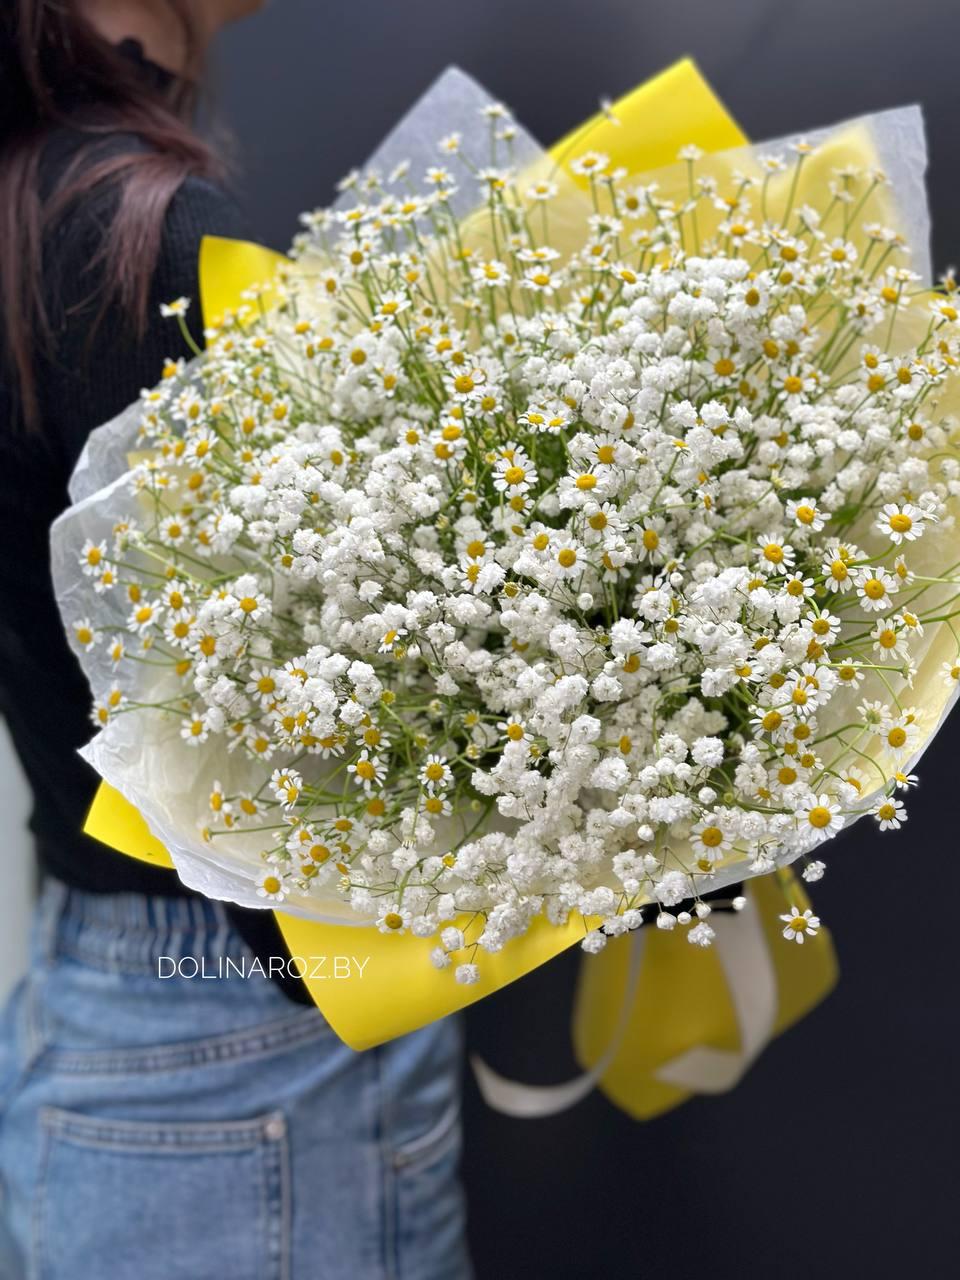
{"points": [[227, 269], [646, 128], [115, 822]]}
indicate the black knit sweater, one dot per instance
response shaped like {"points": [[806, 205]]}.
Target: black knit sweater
{"points": [[89, 376]]}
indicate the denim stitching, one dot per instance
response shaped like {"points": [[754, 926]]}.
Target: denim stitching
{"points": [[277, 1198], [158, 1136], [289, 1032], [37, 1261], [420, 1150], [388, 1182]]}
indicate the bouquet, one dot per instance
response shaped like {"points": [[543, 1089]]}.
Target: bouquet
{"points": [[545, 541]]}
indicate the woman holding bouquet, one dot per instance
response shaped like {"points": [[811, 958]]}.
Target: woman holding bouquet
{"points": [[156, 1126]]}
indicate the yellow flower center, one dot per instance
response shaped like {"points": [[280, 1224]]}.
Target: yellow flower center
{"points": [[819, 816]]}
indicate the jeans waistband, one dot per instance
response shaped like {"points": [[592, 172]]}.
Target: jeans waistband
{"points": [[127, 931]]}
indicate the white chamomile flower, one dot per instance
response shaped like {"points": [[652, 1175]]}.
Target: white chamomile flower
{"points": [[709, 840], [287, 784], [92, 558], [899, 733], [901, 523], [775, 554], [85, 634], [271, 885], [195, 730], [435, 773], [799, 925], [368, 771], [591, 164], [838, 566], [806, 514], [179, 307], [875, 586], [890, 814], [393, 919], [514, 472], [491, 275], [391, 639], [820, 817]]}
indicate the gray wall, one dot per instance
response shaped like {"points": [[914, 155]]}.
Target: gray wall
{"points": [[309, 87]]}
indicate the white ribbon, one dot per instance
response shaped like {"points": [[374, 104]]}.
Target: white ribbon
{"points": [[745, 958]]}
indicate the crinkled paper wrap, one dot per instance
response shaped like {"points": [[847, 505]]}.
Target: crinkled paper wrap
{"points": [[142, 756]]}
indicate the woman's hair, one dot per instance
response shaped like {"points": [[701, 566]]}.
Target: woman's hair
{"points": [[55, 69]]}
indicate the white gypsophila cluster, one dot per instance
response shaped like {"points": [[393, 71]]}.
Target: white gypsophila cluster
{"points": [[531, 575]]}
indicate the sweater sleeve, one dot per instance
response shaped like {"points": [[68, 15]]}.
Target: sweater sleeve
{"points": [[94, 370]]}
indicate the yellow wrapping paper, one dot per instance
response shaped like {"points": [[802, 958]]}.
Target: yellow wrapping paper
{"points": [[681, 999]]}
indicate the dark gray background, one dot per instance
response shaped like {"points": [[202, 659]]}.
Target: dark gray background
{"points": [[837, 1156]]}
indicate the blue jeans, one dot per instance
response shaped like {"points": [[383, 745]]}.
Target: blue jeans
{"points": [[210, 1129]]}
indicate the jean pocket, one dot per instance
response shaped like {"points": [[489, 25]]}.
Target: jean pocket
{"points": [[429, 1214], [152, 1199]]}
